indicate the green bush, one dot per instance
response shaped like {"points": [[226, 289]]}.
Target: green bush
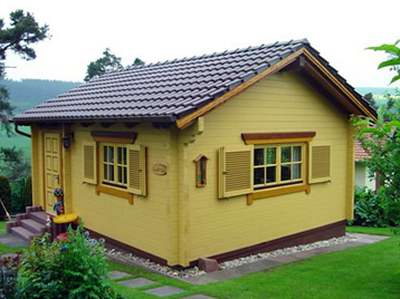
{"points": [[74, 268], [21, 195], [375, 208], [5, 196], [8, 276]]}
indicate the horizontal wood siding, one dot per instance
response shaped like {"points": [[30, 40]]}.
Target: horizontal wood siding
{"points": [[281, 103], [149, 224]]}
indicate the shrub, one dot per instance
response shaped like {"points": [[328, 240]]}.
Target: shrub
{"points": [[74, 268], [368, 210], [21, 195], [8, 276], [5, 196]]}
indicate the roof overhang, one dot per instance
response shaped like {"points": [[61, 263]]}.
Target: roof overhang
{"points": [[313, 65]]}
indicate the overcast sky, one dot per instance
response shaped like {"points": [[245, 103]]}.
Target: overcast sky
{"points": [[161, 30]]}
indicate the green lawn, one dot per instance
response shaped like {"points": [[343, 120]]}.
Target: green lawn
{"points": [[371, 271]]}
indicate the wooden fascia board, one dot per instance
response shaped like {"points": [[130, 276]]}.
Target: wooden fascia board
{"points": [[338, 84], [186, 120]]}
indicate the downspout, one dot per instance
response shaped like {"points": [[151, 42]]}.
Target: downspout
{"points": [[21, 132]]}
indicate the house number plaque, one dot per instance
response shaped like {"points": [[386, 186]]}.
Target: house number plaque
{"points": [[160, 169]]}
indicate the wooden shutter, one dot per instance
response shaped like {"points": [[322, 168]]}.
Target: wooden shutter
{"points": [[137, 182], [89, 163], [320, 164], [235, 171]]}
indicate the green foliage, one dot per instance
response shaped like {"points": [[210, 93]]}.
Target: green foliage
{"points": [[108, 62], [138, 61], [8, 276], [368, 209], [13, 164], [75, 268], [21, 195], [5, 195], [394, 58]]}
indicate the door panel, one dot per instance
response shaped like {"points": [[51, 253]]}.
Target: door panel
{"points": [[52, 168]]}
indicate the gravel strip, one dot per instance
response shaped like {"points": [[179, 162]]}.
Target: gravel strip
{"points": [[195, 271]]}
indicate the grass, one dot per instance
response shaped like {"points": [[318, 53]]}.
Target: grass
{"points": [[370, 271]]}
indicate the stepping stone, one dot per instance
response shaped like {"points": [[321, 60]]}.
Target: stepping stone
{"points": [[117, 275], [136, 282], [199, 296], [164, 291]]}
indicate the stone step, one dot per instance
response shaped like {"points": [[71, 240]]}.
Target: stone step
{"points": [[40, 217], [33, 226], [23, 233]]}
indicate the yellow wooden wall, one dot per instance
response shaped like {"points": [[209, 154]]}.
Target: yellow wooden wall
{"points": [[281, 103], [150, 223]]}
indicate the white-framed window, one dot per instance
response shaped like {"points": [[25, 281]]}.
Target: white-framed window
{"points": [[114, 170], [278, 165]]}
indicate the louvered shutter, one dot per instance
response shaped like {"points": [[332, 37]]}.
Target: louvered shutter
{"points": [[137, 169], [235, 171], [320, 163], [89, 163]]}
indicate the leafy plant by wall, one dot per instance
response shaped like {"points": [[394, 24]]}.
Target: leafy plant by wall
{"points": [[21, 195], [5, 196], [74, 268]]}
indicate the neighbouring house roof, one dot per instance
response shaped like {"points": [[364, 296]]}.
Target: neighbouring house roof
{"points": [[171, 90], [360, 154]]}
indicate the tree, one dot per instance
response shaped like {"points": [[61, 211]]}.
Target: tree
{"points": [[382, 141], [13, 164], [108, 62], [22, 32], [394, 58], [138, 61], [369, 97]]}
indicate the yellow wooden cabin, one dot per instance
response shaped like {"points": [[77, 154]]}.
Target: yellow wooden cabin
{"points": [[216, 156]]}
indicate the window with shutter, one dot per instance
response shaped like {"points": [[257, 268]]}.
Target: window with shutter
{"points": [[235, 171], [320, 163], [137, 169], [89, 163]]}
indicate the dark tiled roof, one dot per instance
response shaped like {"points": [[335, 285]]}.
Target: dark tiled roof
{"points": [[162, 91]]}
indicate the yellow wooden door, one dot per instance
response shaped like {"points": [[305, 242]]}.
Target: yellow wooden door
{"points": [[52, 167]]}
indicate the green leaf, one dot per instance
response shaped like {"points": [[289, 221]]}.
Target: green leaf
{"points": [[390, 62], [395, 78], [388, 48]]}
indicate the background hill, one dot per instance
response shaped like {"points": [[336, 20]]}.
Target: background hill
{"points": [[27, 93]]}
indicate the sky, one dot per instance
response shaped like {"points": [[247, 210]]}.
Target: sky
{"points": [[161, 30]]}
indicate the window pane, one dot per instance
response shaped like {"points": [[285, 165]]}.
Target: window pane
{"points": [[110, 154], [120, 178], [259, 156], [286, 154], [258, 176], [297, 153], [105, 155], [105, 172], [110, 171], [271, 174], [124, 155], [285, 172], [271, 155], [296, 171], [119, 155], [125, 176]]}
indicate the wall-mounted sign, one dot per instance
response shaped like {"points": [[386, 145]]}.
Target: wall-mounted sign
{"points": [[159, 169]]}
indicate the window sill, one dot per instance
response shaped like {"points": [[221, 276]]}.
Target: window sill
{"points": [[260, 194], [115, 192]]}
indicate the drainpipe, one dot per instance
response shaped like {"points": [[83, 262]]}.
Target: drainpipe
{"points": [[21, 132]]}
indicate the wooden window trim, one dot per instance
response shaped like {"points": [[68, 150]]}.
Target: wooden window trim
{"points": [[123, 137], [279, 137], [115, 192], [115, 164], [277, 191], [278, 163]]}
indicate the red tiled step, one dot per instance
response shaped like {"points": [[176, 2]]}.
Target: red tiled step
{"points": [[23, 233], [33, 226], [40, 217]]}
